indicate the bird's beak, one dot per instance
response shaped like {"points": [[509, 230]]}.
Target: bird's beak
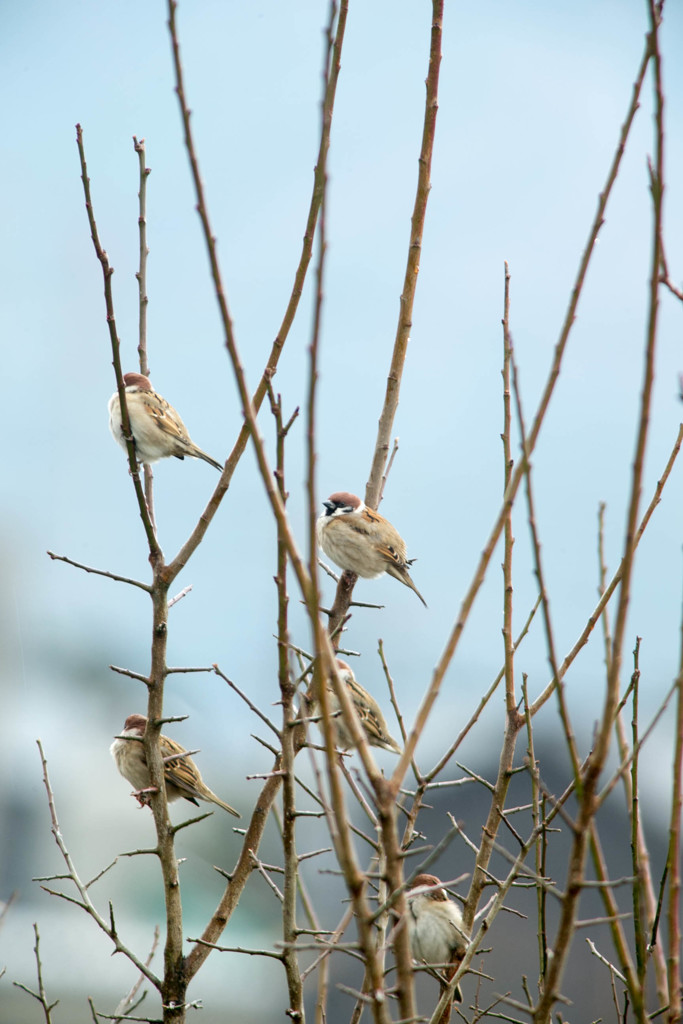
{"points": [[330, 506]]}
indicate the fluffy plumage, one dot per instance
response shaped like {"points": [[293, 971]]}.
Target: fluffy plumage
{"points": [[360, 540], [157, 429], [183, 778], [436, 931], [367, 709]]}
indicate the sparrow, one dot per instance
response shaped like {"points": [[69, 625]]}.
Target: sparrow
{"points": [[157, 429], [367, 709], [181, 773], [437, 937], [360, 540]]}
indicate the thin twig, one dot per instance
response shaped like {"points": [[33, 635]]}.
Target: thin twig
{"points": [[290, 959], [278, 345], [85, 902], [129, 1003], [673, 859], [107, 272], [40, 995], [613, 970], [250, 704], [379, 467], [538, 568], [598, 756], [385, 476], [515, 480], [508, 538], [180, 595], [141, 276], [614, 582], [100, 572]]}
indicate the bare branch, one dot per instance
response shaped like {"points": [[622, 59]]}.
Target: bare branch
{"points": [[247, 701], [130, 1002], [614, 582], [613, 970], [100, 572], [316, 199], [85, 901], [180, 595], [40, 995], [468, 601], [107, 272]]}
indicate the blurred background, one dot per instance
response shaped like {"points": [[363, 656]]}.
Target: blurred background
{"points": [[531, 101]]}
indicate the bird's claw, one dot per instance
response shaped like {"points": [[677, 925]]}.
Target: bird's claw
{"points": [[143, 795]]}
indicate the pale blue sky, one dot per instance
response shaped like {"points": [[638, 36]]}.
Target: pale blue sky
{"points": [[532, 96]]}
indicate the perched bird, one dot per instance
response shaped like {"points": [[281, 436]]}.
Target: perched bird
{"points": [[181, 773], [437, 937], [157, 429], [360, 540], [367, 709]]}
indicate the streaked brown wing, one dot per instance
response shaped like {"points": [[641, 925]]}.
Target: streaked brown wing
{"points": [[369, 513], [392, 556], [369, 721], [367, 524], [165, 417], [389, 543], [182, 774], [355, 524]]}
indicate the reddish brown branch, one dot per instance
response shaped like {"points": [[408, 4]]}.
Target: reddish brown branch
{"points": [[405, 320], [155, 553], [199, 531]]}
